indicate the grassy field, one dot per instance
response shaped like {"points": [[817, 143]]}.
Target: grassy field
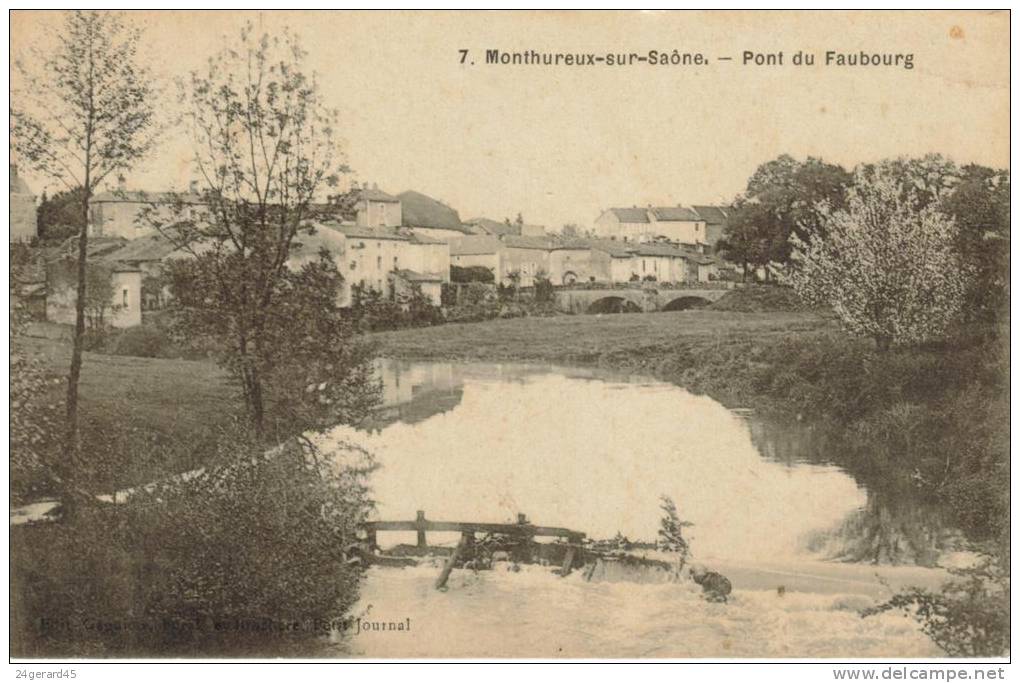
{"points": [[594, 339]]}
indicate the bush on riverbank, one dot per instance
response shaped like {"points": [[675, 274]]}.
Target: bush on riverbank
{"points": [[251, 558], [760, 299]]}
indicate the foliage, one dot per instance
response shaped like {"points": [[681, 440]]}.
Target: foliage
{"points": [[33, 417], [671, 537], [256, 556], [543, 289], [60, 216], [82, 111], [308, 360], [886, 268], [968, 616], [471, 274], [782, 199], [979, 203], [264, 147]]}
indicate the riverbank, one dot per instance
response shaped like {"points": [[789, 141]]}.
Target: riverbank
{"points": [[931, 419]]}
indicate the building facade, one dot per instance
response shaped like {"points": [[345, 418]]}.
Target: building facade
{"points": [[24, 225]]}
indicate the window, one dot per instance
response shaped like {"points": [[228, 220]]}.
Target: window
{"points": [[395, 267], [378, 262], [354, 265], [124, 298]]}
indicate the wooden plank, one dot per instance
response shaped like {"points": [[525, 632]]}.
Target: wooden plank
{"points": [[452, 560], [420, 528], [476, 527], [568, 561]]}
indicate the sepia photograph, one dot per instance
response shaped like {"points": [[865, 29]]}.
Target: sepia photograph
{"points": [[347, 336]]}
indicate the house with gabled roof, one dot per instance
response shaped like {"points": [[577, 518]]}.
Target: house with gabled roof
{"points": [[119, 212], [430, 217], [676, 224]]}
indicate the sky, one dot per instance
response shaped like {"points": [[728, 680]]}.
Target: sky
{"points": [[559, 144]]}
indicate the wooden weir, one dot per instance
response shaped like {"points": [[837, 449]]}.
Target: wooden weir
{"points": [[523, 528]]}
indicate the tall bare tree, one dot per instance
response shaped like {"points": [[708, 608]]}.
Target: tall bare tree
{"points": [[82, 111]]}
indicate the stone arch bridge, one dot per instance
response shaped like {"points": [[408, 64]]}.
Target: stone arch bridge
{"points": [[634, 299]]}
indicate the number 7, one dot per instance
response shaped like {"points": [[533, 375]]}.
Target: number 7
{"points": [[463, 55]]}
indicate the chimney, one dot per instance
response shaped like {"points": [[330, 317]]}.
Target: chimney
{"points": [[375, 186]]}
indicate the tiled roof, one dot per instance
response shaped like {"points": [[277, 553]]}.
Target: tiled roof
{"points": [[631, 215], [611, 247], [137, 196], [374, 194], [422, 211], [713, 215], [659, 250], [380, 233], [674, 213], [474, 245], [150, 248], [528, 242], [491, 227]]}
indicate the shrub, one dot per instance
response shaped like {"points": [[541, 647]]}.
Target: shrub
{"points": [[967, 617], [256, 555], [143, 341]]}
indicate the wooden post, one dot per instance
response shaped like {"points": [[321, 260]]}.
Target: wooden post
{"points": [[465, 539], [370, 540], [421, 529], [568, 561]]}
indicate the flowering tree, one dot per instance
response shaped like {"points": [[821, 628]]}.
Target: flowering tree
{"points": [[886, 266]]}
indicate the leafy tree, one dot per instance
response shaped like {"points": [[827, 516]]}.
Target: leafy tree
{"points": [[265, 148], [781, 199], [82, 111], [60, 216], [924, 180], [671, 536], [979, 203], [889, 270]]}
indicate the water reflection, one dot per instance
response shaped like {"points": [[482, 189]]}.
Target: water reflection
{"points": [[895, 526], [593, 450]]}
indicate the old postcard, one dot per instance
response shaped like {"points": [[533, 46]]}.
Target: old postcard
{"points": [[513, 335]]}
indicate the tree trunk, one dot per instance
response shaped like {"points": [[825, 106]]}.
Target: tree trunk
{"points": [[71, 435]]}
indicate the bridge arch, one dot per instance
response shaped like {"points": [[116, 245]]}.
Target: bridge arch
{"points": [[685, 302], [613, 304]]}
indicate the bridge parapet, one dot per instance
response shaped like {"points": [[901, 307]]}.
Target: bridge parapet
{"points": [[646, 299]]}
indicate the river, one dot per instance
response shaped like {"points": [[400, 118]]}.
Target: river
{"points": [[593, 451]]}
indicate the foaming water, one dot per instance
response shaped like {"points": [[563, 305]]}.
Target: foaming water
{"points": [[535, 614]]}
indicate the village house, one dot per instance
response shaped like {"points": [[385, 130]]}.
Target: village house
{"points": [[123, 307], [120, 213], [580, 261], [525, 258], [512, 259], [476, 251], [24, 218], [391, 261], [694, 228], [426, 216]]}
